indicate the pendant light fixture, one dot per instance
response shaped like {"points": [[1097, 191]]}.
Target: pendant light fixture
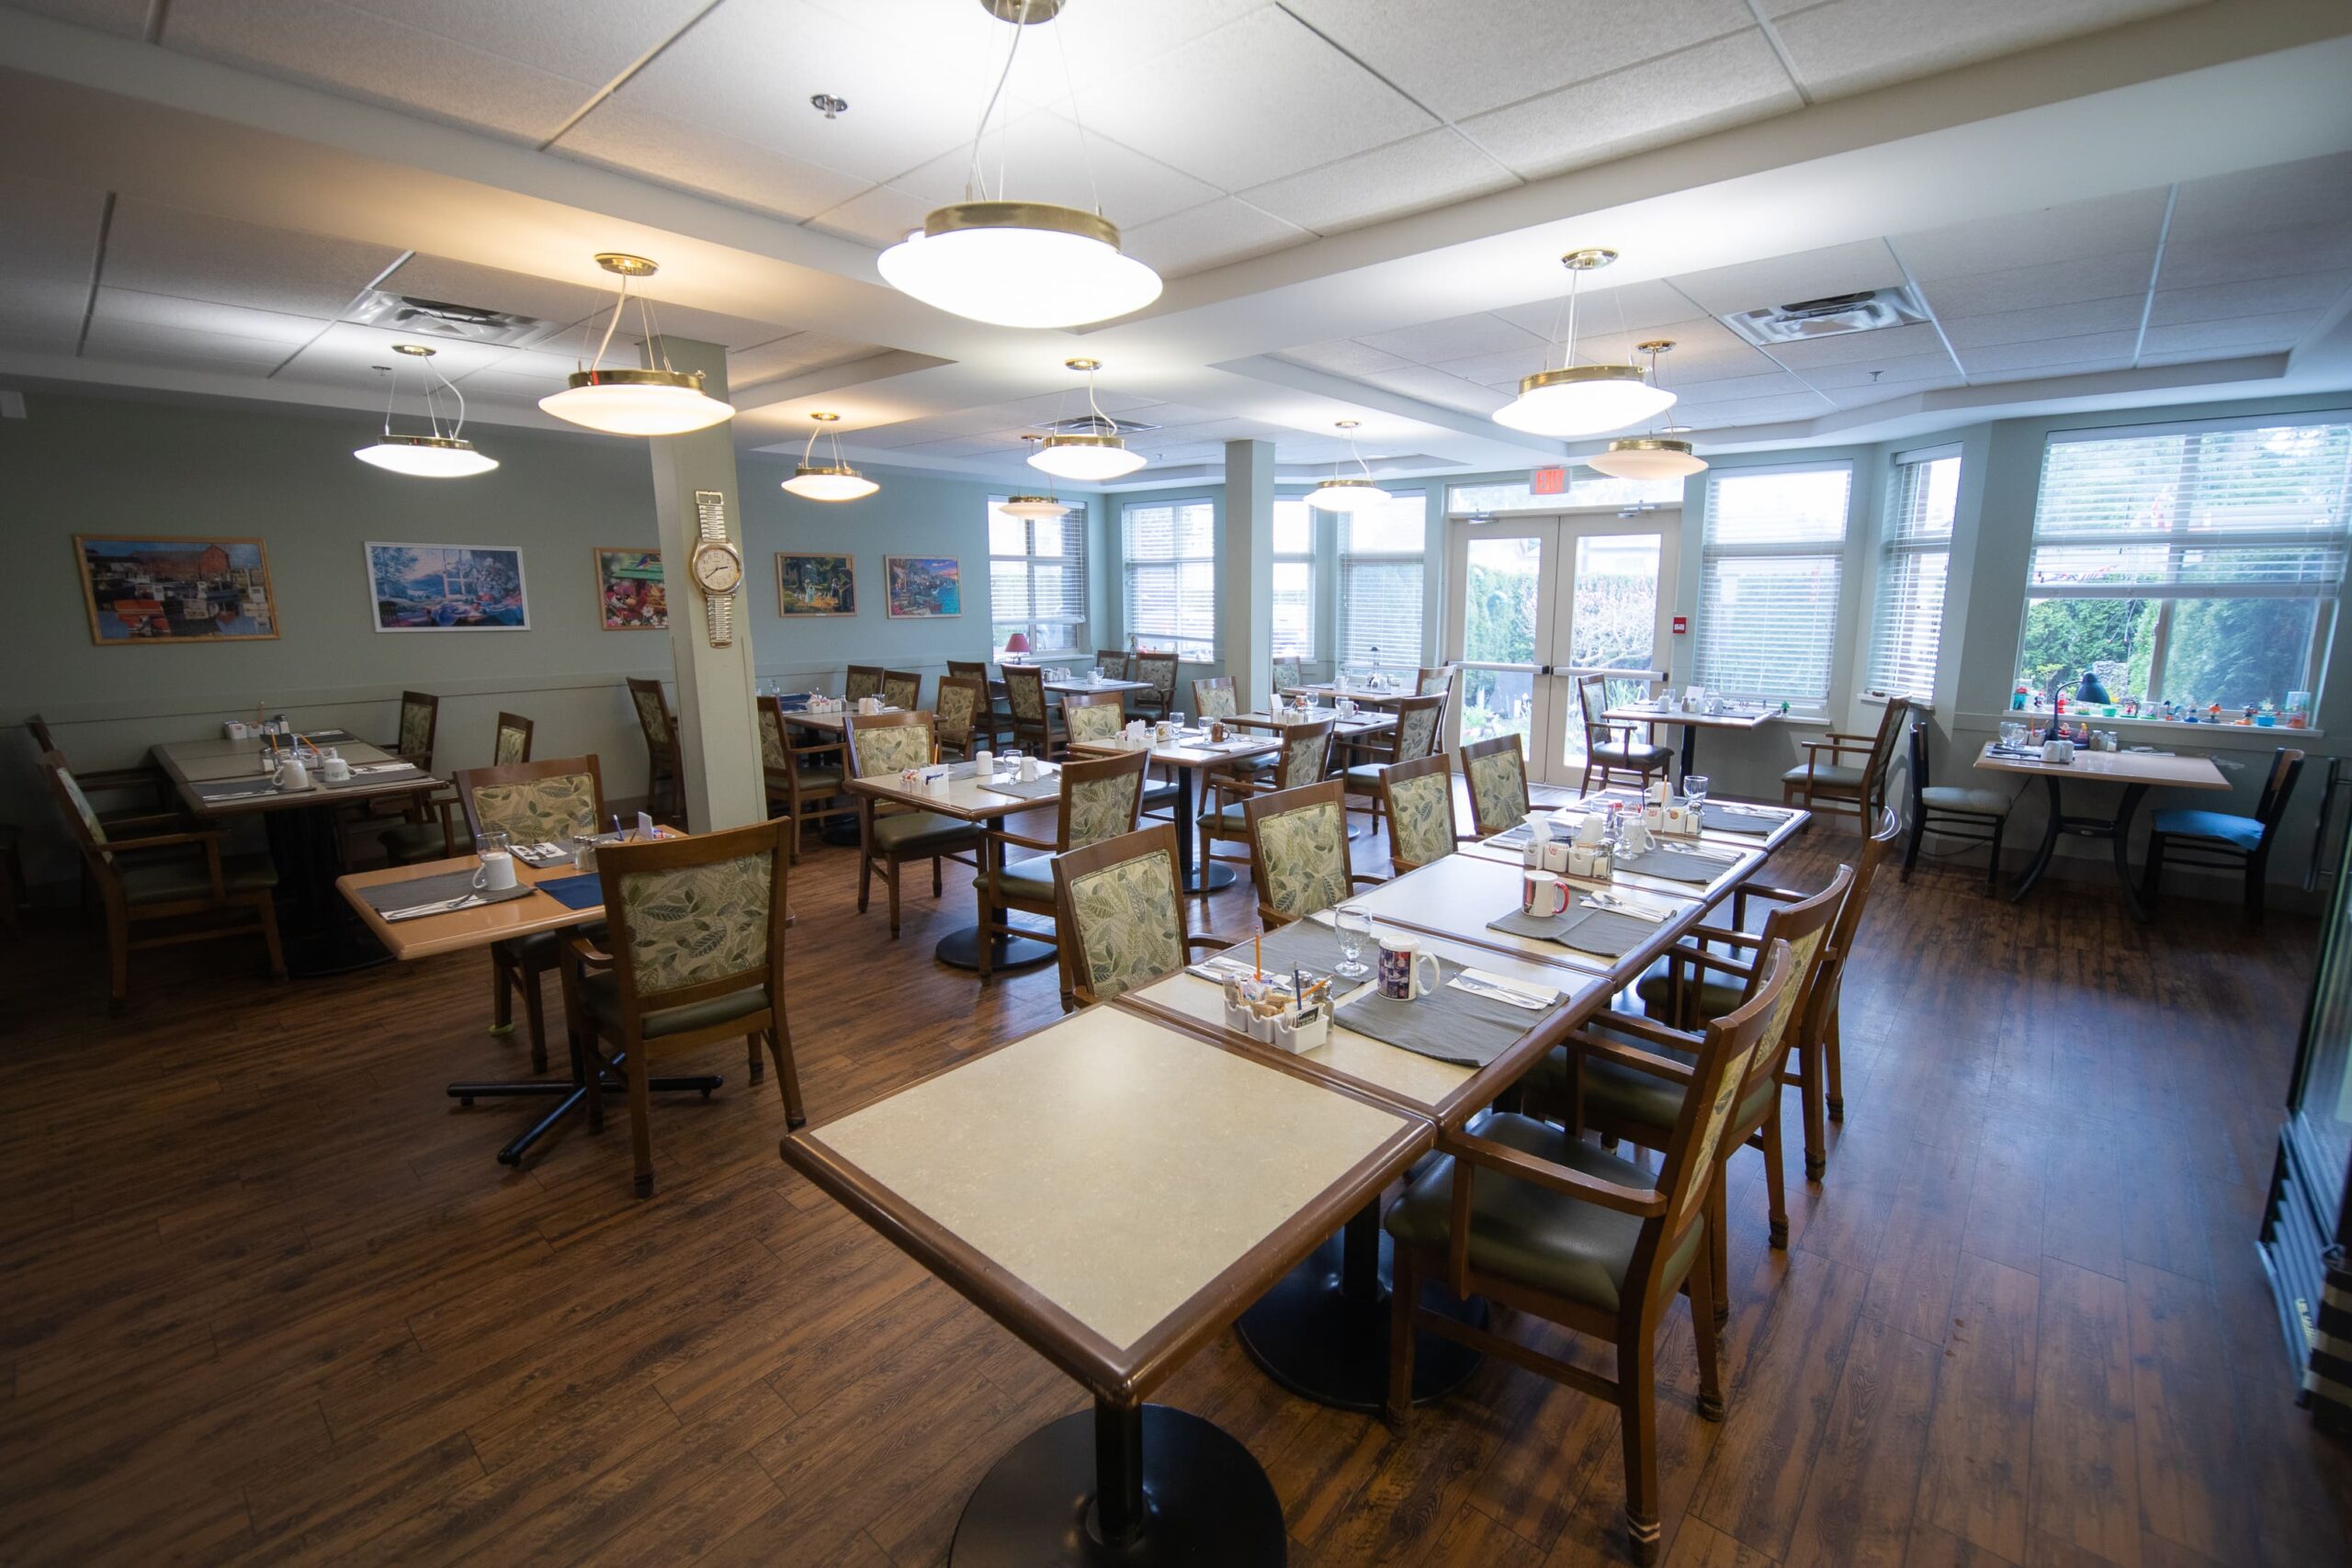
{"points": [[1659, 456], [1042, 507], [437, 456], [1582, 399], [1337, 494], [1018, 263], [1094, 454], [666, 401], [835, 480]]}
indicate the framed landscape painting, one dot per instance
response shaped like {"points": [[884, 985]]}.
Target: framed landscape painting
{"points": [[816, 585], [924, 587], [629, 594], [174, 589], [448, 588]]}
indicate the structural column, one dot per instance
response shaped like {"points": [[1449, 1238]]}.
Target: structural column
{"points": [[1246, 569], [718, 740]]}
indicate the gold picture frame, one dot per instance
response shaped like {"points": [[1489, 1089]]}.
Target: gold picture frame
{"points": [[815, 585], [150, 583]]}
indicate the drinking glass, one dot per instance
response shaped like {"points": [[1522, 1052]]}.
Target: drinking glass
{"points": [[1354, 926], [2012, 734], [1009, 759], [1695, 789]]}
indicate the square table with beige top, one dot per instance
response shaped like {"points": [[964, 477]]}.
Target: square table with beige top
{"points": [[968, 799], [2135, 771], [1114, 1189]]}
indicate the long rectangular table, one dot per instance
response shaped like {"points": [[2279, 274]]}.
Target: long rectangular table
{"points": [[2137, 771]]}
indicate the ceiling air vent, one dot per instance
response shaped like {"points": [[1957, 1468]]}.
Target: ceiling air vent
{"points": [[438, 318], [1087, 425], [1833, 317]]}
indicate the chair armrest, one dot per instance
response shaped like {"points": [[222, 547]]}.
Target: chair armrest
{"points": [[1366, 880], [111, 779], [1469, 1149], [144, 819], [1209, 943], [209, 837], [580, 949], [1633, 1056], [1705, 960], [1648, 1029], [1839, 743], [1729, 938], [1009, 837]]}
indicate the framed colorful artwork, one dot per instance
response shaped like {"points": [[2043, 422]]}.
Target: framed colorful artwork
{"points": [[448, 588], [816, 585], [174, 589], [923, 587], [629, 594]]}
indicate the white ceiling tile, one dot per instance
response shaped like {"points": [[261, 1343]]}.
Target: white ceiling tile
{"points": [[1761, 411], [2231, 332], [498, 386], [2312, 291], [587, 40], [347, 354], [793, 356], [1737, 389], [1936, 367], [494, 288], [2045, 283], [1428, 170], [49, 247], [1505, 370], [1783, 280], [1464, 60], [1704, 349], [1097, 40], [1457, 337], [1046, 159], [1993, 359], [144, 344], [2051, 372], [1211, 234], [1732, 81], [2198, 355], [2121, 314], [2252, 201], [624, 133], [881, 216], [2103, 225], [127, 307], [1255, 100], [1870, 393], [1437, 387], [1344, 358], [128, 18], [195, 256], [1882, 346], [2278, 253], [1628, 306], [1851, 46]]}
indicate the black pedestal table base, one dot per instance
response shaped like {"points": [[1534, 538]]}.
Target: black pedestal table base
{"points": [[961, 949], [321, 934], [1135, 1486], [1322, 1330], [2118, 829], [1209, 878]]}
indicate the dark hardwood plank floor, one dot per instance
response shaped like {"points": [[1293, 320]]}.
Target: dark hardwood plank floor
{"points": [[265, 1297]]}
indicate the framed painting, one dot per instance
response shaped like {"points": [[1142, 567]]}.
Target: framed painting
{"points": [[923, 587], [816, 585], [629, 594], [203, 589], [448, 588]]}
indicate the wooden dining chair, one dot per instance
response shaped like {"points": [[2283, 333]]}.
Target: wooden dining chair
{"points": [[1416, 735], [1115, 664], [996, 717], [1611, 749], [531, 803], [1819, 1048], [2218, 840], [803, 781], [1535, 1219], [1034, 726], [888, 834], [158, 868], [1837, 785], [1302, 760], [1101, 799], [1156, 671], [1286, 674], [902, 689], [695, 954], [1434, 680], [666, 775], [414, 843], [862, 681], [1496, 771], [1953, 811], [1298, 851], [148, 787], [1417, 797], [420, 721], [1120, 913], [959, 715], [1092, 716]]}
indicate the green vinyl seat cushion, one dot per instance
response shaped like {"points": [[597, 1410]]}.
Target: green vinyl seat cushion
{"points": [[1031, 878], [1957, 797], [821, 781], [414, 843], [1833, 774], [921, 832], [601, 992], [1637, 754], [1530, 1234], [542, 950], [169, 879]]}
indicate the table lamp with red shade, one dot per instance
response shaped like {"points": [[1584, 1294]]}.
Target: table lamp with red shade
{"points": [[1017, 643]]}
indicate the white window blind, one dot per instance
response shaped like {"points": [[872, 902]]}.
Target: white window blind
{"points": [[1915, 558], [1294, 580], [1381, 554], [1169, 550], [1772, 558], [1037, 579]]}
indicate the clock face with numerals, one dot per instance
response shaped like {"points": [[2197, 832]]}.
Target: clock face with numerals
{"points": [[717, 566]]}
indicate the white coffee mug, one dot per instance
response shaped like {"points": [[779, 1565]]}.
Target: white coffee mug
{"points": [[1400, 969], [1028, 770], [1542, 895], [984, 762], [1165, 732], [1590, 830], [292, 774], [496, 873], [869, 704], [1638, 837], [333, 768]]}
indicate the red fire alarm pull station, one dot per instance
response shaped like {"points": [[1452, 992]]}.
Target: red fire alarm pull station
{"points": [[1681, 625], [1548, 481]]}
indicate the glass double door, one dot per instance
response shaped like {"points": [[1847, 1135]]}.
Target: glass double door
{"points": [[1535, 602]]}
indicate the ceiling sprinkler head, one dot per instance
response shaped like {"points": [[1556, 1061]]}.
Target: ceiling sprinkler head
{"points": [[829, 105]]}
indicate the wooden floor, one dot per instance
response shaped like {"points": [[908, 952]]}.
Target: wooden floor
{"points": [[265, 1297]]}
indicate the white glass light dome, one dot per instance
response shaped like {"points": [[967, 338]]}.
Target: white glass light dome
{"points": [[637, 402], [1346, 495], [426, 456], [1583, 400], [1034, 506], [1086, 457], [830, 482], [1647, 458], [1020, 264]]}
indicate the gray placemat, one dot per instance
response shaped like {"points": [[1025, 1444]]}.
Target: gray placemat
{"points": [[1444, 1024], [1514, 837], [411, 775], [255, 785], [1603, 933], [1724, 822], [1678, 865], [436, 889], [1046, 788]]}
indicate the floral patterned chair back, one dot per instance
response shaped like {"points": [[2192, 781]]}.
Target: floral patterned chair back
{"points": [[697, 926], [1417, 725], [1306, 753], [1496, 772], [1287, 673], [1119, 914], [1156, 671], [1436, 681], [1093, 716], [961, 700], [776, 755], [513, 742], [1298, 845], [652, 713], [80, 817], [1024, 690], [1213, 698], [888, 743], [1419, 810], [533, 801], [862, 681], [975, 667], [1101, 799], [902, 689], [420, 716]]}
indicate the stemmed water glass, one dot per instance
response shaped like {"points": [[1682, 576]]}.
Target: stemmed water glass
{"points": [[1354, 927]]}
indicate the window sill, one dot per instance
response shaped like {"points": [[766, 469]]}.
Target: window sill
{"points": [[1879, 700], [2248, 737]]}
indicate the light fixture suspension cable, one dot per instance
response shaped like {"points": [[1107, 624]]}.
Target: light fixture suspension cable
{"points": [[393, 396], [972, 179], [1077, 120]]}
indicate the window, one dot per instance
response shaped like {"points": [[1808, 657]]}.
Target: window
{"points": [[1915, 557], [2195, 564], [1171, 554], [1770, 563], [1381, 554], [1585, 488], [1294, 580], [1037, 579]]}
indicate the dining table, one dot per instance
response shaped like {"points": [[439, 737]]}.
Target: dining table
{"points": [[2137, 771], [415, 914], [221, 780], [1326, 692], [1191, 756], [985, 803], [1736, 717], [1082, 687]]}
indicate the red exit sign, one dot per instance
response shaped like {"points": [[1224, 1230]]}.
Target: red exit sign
{"points": [[1548, 481]]}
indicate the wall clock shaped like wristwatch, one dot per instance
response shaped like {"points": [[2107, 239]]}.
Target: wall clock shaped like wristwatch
{"points": [[717, 566]]}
